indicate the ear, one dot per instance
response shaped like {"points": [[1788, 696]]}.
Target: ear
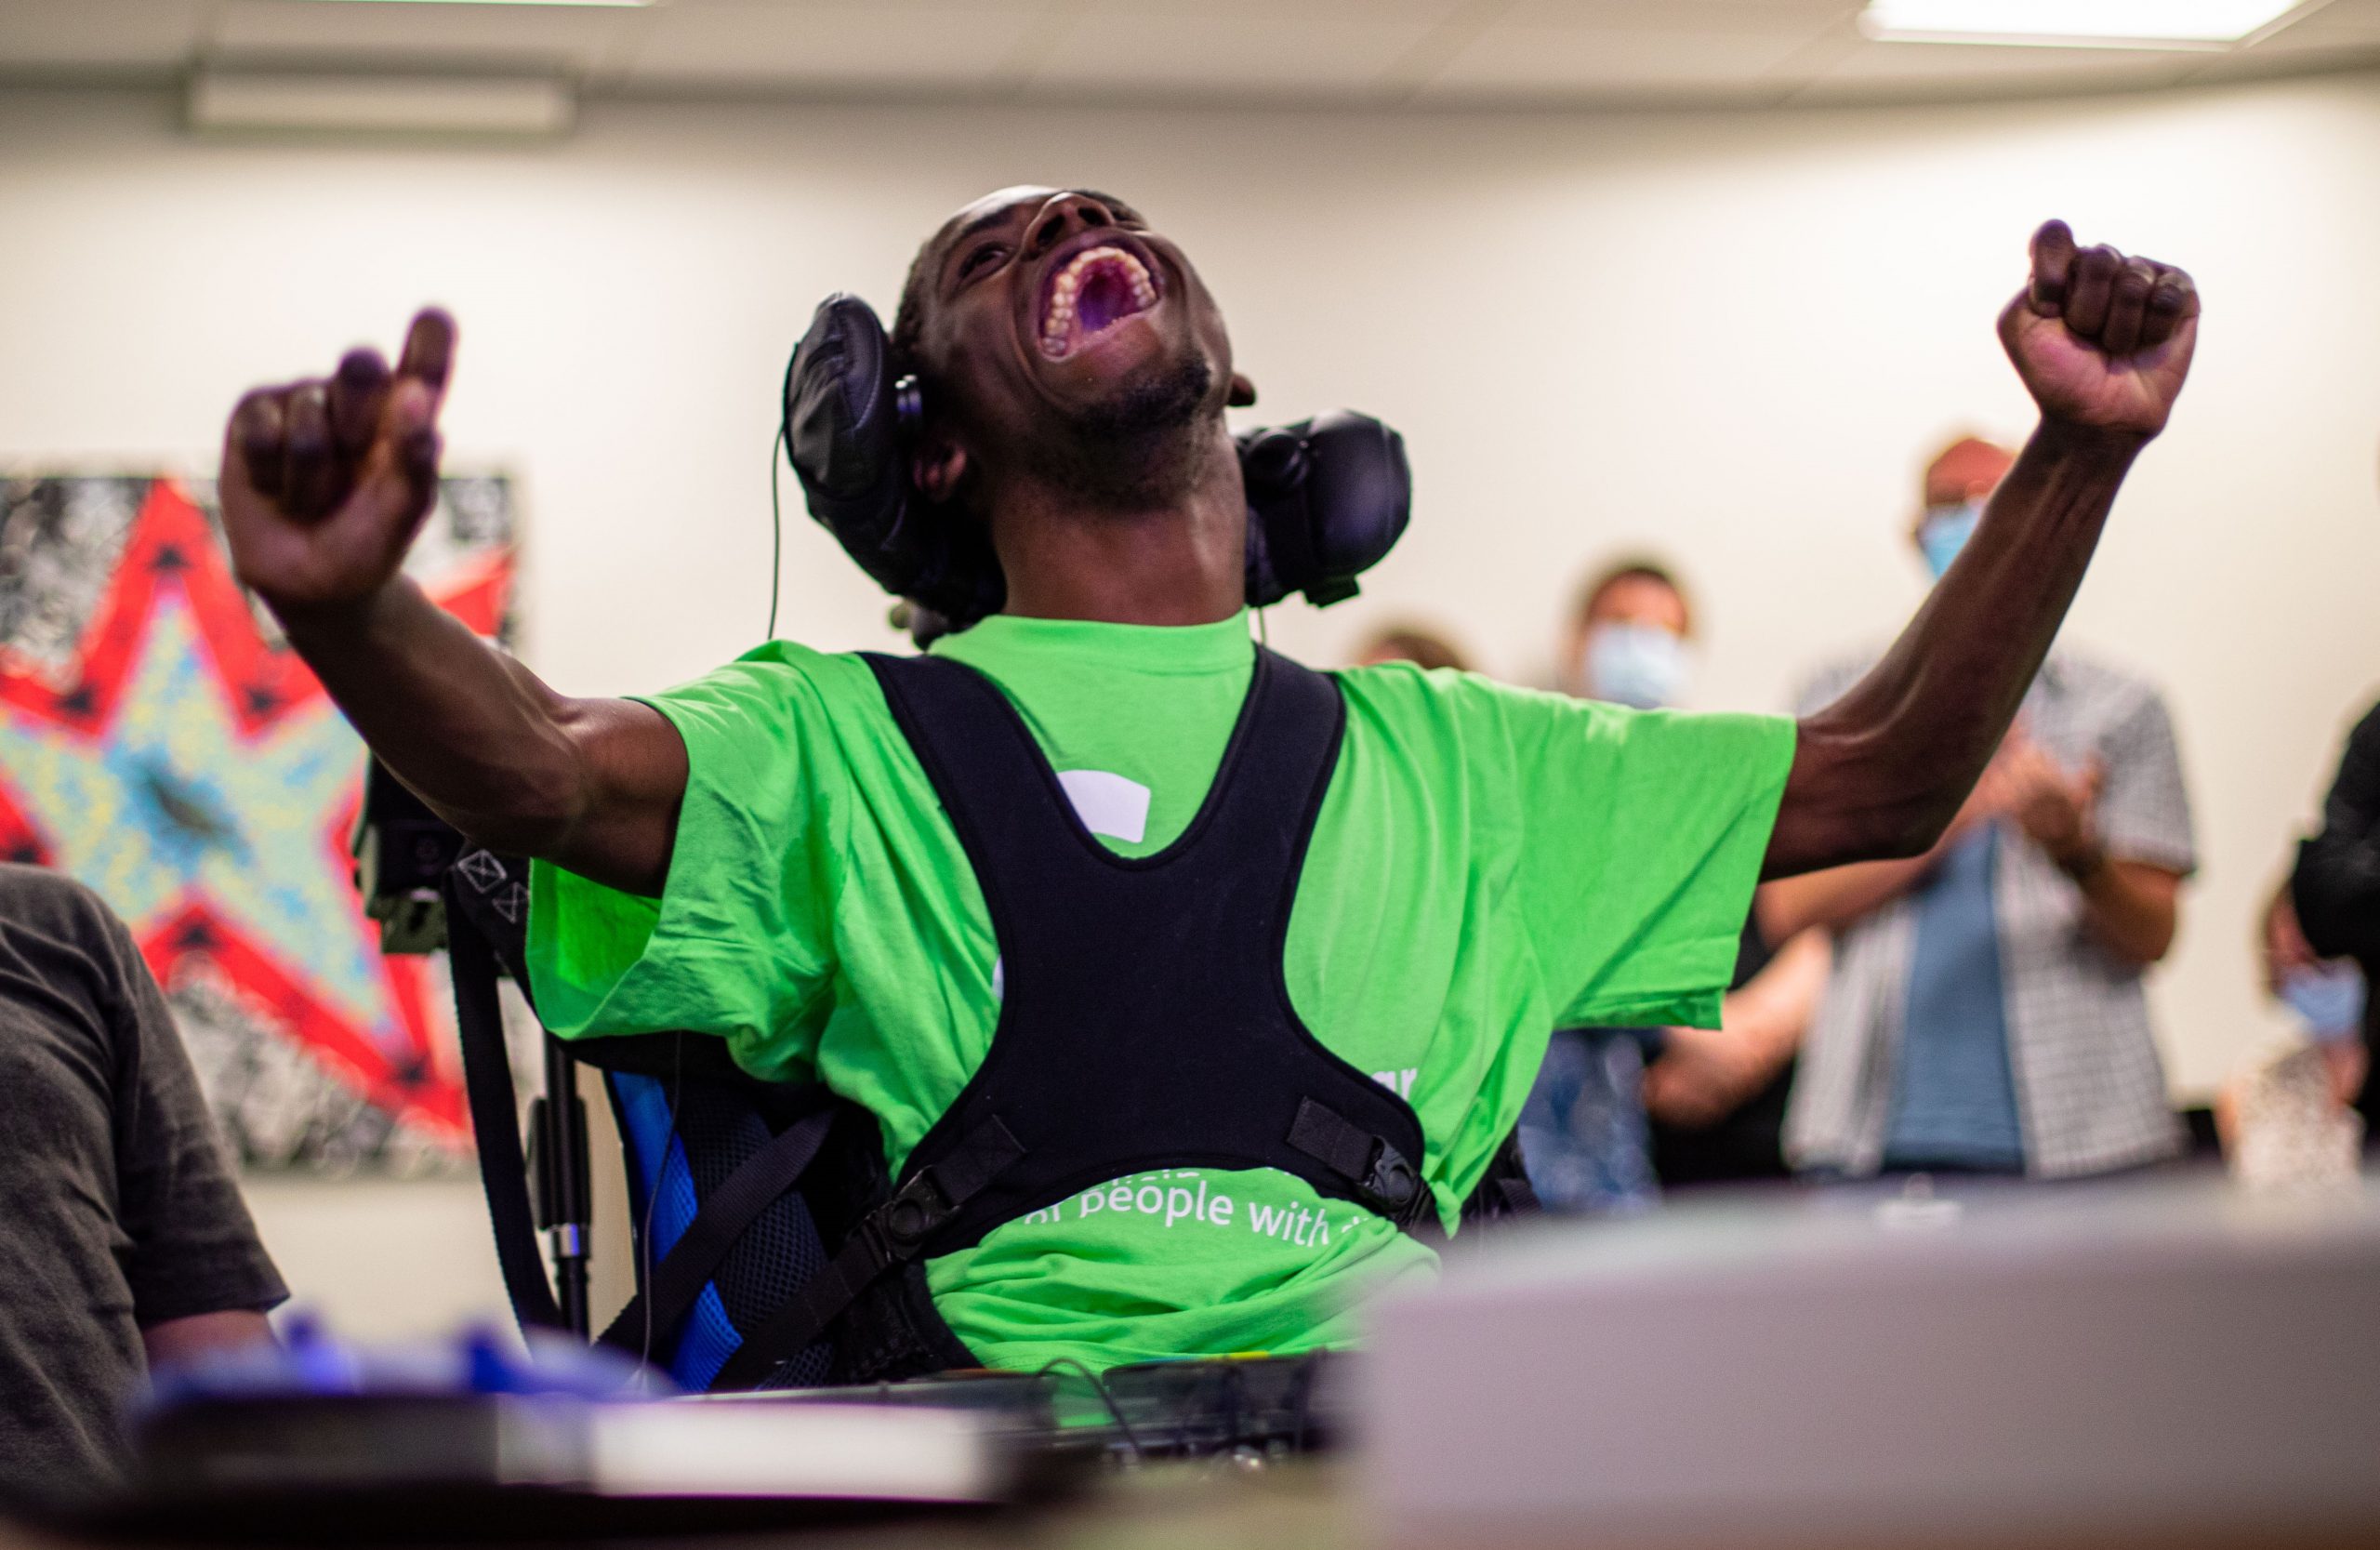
{"points": [[938, 467], [1243, 392]]}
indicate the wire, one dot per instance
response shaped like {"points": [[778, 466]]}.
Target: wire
{"points": [[1099, 1386], [1263, 631], [776, 525], [653, 1196]]}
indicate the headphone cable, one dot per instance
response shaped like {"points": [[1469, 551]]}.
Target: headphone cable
{"points": [[777, 526]]}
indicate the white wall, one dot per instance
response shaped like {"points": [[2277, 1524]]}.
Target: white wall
{"points": [[1728, 337]]}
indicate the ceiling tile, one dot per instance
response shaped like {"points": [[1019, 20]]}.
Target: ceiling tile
{"points": [[1549, 62], [883, 43], [1611, 52], [575, 37], [82, 34], [1225, 54], [1798, 17], [1291, 11]]}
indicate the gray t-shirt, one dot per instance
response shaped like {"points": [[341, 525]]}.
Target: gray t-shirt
{"points": [[121, 1209]]}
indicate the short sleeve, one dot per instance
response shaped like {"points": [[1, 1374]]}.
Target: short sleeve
{"points": [[740, 943], [2144, 808], [1644, 833], [192, 1246]]}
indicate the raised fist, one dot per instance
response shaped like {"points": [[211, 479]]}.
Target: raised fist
{"points": [[325, 482], [2101, 341]]}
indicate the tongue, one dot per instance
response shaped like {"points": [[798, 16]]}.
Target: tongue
{"points": [[1105, 296]]}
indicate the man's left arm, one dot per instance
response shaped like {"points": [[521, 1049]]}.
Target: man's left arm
{"points": [[2103, 343]]}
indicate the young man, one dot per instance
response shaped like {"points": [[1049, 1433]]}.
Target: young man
{"points": [[763, 855]]}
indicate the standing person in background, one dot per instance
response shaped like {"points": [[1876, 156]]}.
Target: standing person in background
{"points": [[1630, 639], [1417, 643], [1618, 1112], [1987, 1013], [2322, 933]]}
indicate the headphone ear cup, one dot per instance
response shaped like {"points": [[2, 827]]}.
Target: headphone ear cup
{"points": [[850, 431], [1359, 497], [1326, 499], [1272, 469], [842, 425]]}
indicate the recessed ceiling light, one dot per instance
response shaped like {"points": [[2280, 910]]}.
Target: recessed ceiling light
{"points": [[2076, 23]]}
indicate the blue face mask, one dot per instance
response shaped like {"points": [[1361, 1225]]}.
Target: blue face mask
{"points": [[1638, 665], [1944, 530], [2328, 999]]}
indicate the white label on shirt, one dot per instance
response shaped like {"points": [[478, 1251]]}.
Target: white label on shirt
{"points": [[1108, 803]]}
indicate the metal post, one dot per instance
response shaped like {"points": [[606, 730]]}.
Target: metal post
{"points": [[559, 1158]]}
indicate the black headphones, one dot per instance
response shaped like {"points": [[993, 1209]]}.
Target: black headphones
{"points": [[1327, 496]]}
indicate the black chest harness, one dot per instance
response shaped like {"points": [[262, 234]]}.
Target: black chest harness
{"points": [[1144, 1021]]}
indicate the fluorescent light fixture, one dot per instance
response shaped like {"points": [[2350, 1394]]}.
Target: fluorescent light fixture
{"points": [[2075, 23], [276, 103]]}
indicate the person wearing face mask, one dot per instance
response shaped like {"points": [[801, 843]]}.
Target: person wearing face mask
{"points": [[2322, 935], [1631, 638], [1986, 1013], [1618, 1114], [1405, 641]]}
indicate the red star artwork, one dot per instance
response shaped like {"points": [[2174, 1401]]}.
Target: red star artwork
{"points": [[196, 775]]}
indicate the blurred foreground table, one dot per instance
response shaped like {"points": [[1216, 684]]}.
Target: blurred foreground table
{"points": [[1309, 1506]]}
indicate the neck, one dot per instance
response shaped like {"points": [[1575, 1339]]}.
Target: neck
{"points": [[1179, 557]]}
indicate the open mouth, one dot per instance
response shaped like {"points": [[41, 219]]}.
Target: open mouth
{"points": [[1097, 289]]}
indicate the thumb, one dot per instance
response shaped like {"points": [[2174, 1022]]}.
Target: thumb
{"points": [[429, 355], [408, 441], [2053, 259]]}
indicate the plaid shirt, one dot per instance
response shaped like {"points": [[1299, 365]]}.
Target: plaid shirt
{"points": [[2090, 1091]]}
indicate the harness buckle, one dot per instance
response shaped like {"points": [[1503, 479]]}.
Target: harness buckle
{"points": [[1392, 1179], [916, 1209]]}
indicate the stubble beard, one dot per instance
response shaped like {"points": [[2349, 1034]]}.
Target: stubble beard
{"points": [[1139, 447]]}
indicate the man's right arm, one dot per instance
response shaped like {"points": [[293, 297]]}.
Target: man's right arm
{"points": [[325, 483]]}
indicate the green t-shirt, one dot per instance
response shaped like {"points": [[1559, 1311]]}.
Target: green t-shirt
{"points": [[1490, 863]]}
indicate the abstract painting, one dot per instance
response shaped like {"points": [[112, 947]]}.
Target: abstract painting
{"points": [[159, 741]]}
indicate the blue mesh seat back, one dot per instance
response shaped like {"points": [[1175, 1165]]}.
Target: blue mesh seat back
{"points": [[677, 1154]]}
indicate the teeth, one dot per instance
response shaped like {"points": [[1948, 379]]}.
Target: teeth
{"points": [[1068, 284]]}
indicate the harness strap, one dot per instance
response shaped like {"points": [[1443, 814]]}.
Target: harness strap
{"points": [[496, 1121], [755, 1185], [1382, 1176], [890, 1235]]}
